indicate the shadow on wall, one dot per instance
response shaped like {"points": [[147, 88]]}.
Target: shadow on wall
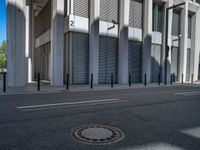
{"points": [[155, 70]]}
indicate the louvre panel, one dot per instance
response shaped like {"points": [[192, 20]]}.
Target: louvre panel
{"points": [[174, 61], [155, 62], [109, 10], [136, 13], [188, 65], [108, 56], [135, 61], [43, 20], [80, 58], [81, 8]]}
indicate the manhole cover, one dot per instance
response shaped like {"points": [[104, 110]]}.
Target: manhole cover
{"points": [[97, 134]]}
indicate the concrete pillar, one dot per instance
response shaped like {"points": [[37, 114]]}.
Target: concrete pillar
{"points": [[147, 39], [94, 40], [170, 18], [32, 39], [28, 54], [195, 45], [183, 43], [16, 26], [57, 43], [123, 42]]}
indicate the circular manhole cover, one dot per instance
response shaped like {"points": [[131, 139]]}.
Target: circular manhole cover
{"points": [[97, 134]]}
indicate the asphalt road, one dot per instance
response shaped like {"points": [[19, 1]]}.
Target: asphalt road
{"points": [[165, 118]]}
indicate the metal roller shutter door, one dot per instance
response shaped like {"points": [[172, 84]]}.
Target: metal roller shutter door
{"points": [[45, 61], [188, 65], [102, 59], [112, 59], [81, 8], [80, 58], [136, 13], [174, 61], [135, 61], [108, 58], [155, 62], [66, 56], [109, 10]]}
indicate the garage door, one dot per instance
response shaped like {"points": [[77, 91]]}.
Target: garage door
{"points": [[135, 61], [188, 65], [174, 61], [80, 51], [42, 61], [108, 58], [155, 62]]}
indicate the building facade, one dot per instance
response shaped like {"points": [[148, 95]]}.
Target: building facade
{"points": [[102, 37]]}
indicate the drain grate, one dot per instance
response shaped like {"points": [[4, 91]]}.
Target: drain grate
{"points": [[97, 134]]}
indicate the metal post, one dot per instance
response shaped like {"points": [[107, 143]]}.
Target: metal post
{"points": [[159, 79], [166, 45], [192, 80], [111, 80], [91, 83], [4, 82], [182, 78], [38, 87], [67, 84], [145, 79], [129, 80]]}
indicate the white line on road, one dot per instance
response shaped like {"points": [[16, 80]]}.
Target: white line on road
{"points": [[71, 106], [67, 103], [188, 93]]}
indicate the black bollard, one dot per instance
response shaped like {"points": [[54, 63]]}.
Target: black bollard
{"points": [[145, 79], [38, 87], [91, 83], [111, 80], [67, 84], [4, 82], [159, 79], [129, 80]]}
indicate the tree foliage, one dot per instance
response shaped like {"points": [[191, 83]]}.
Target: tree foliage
{"points": [[3, 61]]}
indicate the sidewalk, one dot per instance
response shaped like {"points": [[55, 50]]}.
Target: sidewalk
{"points": [[47, 88]]}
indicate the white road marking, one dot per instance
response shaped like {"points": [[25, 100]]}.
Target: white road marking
{"points": [[188, 93], [67, 103], [71, 106]]}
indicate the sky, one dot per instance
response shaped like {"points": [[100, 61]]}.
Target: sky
{"points": [[2, 20]]}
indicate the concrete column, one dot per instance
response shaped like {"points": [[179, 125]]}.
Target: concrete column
{"points": [[123, 42], [195, 49], [16, 23], [183, 43], [170, 18], [94, 40], [28, 42], [57, 43], [147, 39], [32, 39]]}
